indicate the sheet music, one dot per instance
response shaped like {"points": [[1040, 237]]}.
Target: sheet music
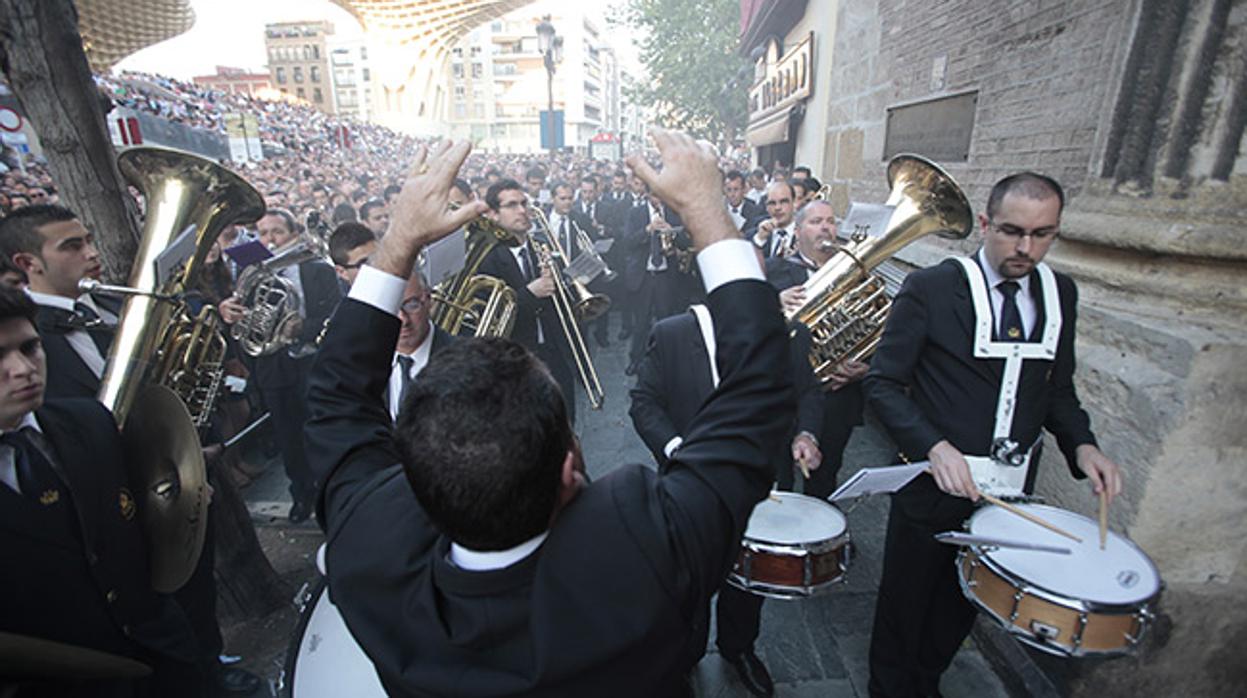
{"points": [[174, 257], [885, 480], [444, 257], [871, 219]]}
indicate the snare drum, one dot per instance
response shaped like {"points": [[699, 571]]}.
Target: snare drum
{"points": [[795, 546], [1091, 602], [324, 661]]}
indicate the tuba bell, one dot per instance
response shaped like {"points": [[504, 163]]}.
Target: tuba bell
{"points": [[164, 360], [847, 305]]}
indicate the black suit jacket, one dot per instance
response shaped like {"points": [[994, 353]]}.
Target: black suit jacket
{"points": [[68, 376], [615, 602], [57, 584], [673, 381], [754, 214], [530, 310], [847, 404], [636, 241], [925, 384]]}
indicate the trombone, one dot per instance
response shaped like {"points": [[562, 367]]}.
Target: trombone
{"points": [[570, 299]]}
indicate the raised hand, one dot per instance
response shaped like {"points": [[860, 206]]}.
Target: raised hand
{"points": [[422, 214], [691, 183]]}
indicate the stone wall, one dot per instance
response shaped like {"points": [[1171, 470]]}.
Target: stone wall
{"points": [[1138, 107]]}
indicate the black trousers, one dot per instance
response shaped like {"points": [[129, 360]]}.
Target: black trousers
{"points": [[289, 410], [921, 616], [564, 374], [739, 618]]}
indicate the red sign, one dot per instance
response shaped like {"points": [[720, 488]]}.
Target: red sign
{"points": [[10, 121]]}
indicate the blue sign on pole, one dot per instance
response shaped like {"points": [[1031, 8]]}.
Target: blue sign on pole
{"points": [[545, 129]]}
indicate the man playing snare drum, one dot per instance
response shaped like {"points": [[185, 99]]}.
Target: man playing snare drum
{"points": [[941, 403]]}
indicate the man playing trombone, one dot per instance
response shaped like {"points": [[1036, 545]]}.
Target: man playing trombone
{"points": [[537, 324]]}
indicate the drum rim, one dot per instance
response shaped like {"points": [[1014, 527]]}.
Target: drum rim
{"points": [[1052, 648], [1059, 597], [818, 547], [787, 592], [314, 592]]}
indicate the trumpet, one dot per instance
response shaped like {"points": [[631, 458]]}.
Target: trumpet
{"points": [[683, 255], [571, 299]]}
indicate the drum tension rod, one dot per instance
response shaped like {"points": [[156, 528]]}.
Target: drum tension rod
{"points": [[1017, 602]]}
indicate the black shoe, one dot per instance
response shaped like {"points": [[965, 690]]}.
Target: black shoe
{"points": [[234, 680], [624, 334], [300, 510], [752, 672]]}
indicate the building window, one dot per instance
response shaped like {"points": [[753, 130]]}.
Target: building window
{"points": [[366, 75], [460, 90], [317, 96], [281, 75], [478, 110], [298, 73], [301, 93], [478, 70], [313, 73], [363, 53], [316, 52], [457, 70], [476, 51], [457, 52], [461, 111]]}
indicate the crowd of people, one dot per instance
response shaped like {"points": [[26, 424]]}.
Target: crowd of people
{"points": [[534, 580]]}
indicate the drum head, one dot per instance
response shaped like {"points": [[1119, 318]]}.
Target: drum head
{"points": [[1119, 575], [794, 519], [324, 661]]}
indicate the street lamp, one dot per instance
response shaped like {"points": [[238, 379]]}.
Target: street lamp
{"points": [[550, 45]]}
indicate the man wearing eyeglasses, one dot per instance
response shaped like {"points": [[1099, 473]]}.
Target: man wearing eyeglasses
{"points": [[941, 402], [418, 340]]}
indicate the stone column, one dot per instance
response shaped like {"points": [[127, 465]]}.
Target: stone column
{"points": [[1157, 240]]}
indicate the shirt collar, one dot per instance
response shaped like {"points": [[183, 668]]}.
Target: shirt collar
{"points": [[994, 278], [47, 299], [483, 561], [28, 421]]}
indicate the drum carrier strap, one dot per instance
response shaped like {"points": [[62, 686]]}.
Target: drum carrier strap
{"points": [[1005, 453]]}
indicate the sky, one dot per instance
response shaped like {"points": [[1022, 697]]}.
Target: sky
{"points": [[231, 33]]}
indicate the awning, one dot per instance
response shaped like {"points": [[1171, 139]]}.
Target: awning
{"points": [[772, 128]]}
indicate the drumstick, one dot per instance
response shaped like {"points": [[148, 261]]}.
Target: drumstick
{"points": [[1103, 517], [1029, 517]]}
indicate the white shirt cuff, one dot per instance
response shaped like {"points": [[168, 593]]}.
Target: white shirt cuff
{"points": [[726, 261], [379, 289], [672, 445]]}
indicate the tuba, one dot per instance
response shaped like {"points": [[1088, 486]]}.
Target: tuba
{"points": [[572, 301], [272, 321], [163, 360], [475, 305], [847, 305]]}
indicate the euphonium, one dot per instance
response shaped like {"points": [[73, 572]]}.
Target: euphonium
{"points": [[471, 304], [159, 348], [272, 320], [846, 304], [571, 299]]}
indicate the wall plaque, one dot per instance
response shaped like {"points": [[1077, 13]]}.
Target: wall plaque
{"points": [[939, 129]]}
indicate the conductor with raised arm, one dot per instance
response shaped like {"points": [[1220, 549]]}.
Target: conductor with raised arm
{"points": [[505, 574]]}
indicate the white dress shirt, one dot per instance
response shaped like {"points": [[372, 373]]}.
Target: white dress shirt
{"points": [[79, 340], [738, 217], [721, 263], [1025, 299], [419, 359], [8, 466], [521, 260], [778, 237]]}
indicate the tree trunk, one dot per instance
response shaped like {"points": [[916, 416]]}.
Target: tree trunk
{"points": [[41, 55]]}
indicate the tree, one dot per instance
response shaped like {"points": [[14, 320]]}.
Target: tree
{"points": [[689, 51], [41, 56]]}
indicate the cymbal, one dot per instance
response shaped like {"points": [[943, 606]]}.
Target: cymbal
{"points": [[24, 656], [166, 462]]}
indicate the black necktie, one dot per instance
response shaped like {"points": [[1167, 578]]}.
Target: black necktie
{"points": [[526, 262], [566, 233], [655, 250], [35, 476], [405, 364], [1010, 318], [95, 328]]}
